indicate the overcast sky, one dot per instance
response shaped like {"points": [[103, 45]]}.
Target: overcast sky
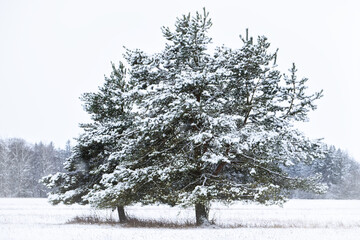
{"points": [[53, 51]]}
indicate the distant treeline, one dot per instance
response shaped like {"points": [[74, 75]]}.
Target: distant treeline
{"points": [[22, 165], [339, 172]]}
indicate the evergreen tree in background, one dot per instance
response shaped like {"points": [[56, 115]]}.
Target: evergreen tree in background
{"points": [[185, 127], [340, 173]]}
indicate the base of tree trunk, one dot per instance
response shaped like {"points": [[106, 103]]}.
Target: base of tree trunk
{"points": [[121, 212], [201, 214]]}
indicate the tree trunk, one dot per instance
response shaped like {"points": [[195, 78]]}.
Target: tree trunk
{"points": [[201, 214], [121, 213]]}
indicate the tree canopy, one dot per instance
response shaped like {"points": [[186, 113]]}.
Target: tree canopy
{"points": [[187, 126]]}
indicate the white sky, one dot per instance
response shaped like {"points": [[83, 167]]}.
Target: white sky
{"points": [[52, 51]]}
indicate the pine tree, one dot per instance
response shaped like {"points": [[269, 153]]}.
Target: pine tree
{"points": [[188, 128], [211, 127]]}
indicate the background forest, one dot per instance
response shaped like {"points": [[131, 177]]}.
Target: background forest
{"points": [[23, 164]]}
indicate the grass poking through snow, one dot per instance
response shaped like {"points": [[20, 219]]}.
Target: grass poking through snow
{"points": [[132, 222]]}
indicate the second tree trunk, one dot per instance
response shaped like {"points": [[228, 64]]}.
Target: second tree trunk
{"points": [[201, 214], [121, 213]]}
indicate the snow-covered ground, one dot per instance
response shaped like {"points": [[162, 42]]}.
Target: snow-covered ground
{"points": [[299, 219]]}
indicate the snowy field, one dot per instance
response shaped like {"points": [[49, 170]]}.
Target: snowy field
{"points": [[299, 219]]}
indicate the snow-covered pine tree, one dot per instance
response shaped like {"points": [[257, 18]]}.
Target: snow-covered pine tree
{"points": [[90, 157], [209, 127]]}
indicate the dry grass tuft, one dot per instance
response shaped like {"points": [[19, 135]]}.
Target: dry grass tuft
{"points": [[92, 220], [132, 222], [153, 223]]}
